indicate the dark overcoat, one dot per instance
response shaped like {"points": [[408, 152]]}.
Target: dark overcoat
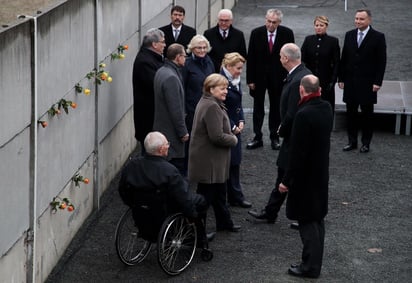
{"points": [[362, 67], [185, 36], [144, 69], [234, 107], [169, 117], [288, 106], [234, 42], [263, 67], [210, 142], [307, 173], [321, 55]]}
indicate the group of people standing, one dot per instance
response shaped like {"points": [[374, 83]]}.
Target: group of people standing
{"points": [[194, 97]]}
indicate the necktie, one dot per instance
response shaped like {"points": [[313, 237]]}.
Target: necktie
{"points": [[270, 42], [360, 38], [176, 34], [224, 34]]}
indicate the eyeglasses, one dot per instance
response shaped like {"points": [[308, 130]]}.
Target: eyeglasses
{"points": [[272, 22], [162, 41], [224, 20], [201, 47]]}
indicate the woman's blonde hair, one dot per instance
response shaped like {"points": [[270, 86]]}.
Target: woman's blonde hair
{"points": [[214, 80], [322, 19], [196, 41], [232, 59]]}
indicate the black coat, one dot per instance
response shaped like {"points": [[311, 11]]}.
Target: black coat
{"points": [[234, 42], [361, 68], [288, 106], [264, 68], [154, 173], [321, 55], [307, 173], [185, 36], [144, 69], [234, 108]]}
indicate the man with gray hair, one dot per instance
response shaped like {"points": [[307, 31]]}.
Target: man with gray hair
{"points": [[265, 73], [290, 58], [224, 38], [148, 60]]}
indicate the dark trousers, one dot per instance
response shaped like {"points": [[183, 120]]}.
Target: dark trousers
{"points": [[234, 189], [312, 234], [276, 198], [259, 113], [215, 195], [362, 121]]}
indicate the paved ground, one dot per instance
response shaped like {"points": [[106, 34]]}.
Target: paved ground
{"points": [[369, 226]]}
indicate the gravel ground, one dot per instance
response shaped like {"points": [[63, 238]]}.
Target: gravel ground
{"points": [[368, 228]]}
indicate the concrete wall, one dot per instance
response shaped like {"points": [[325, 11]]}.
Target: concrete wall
{"points": [[37, 70]]}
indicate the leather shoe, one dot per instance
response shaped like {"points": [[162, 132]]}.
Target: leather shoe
{"points": [[275, 144], [294, 226], [296, 270], [210, 236], [349, 147], [262, 216], [254, 144], [234, 228], [243, 203], [364, 149]]}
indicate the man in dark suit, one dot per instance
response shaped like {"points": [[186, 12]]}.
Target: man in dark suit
{"points": [[265, 72], [148, 60], [224, 38], [361, 71], [290, 57], [176, 31], [307, 175]]}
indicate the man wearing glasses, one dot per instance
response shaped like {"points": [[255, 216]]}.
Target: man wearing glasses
{"points": [[224, 38]]}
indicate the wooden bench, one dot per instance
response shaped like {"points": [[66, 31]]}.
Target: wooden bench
{"points": [[394, 97]]}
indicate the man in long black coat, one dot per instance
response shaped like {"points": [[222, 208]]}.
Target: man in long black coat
{"points": [[224, 38], [361, 72], [265, 72], [307, 175], [147, 61], [290, 56], [177, 31]]}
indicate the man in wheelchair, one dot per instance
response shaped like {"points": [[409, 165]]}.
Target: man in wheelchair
{"points": [[154, 189]]}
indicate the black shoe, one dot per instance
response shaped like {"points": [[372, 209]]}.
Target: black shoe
{"points": [[244, 204], [234, 228], [254, 144], [210, 236], [297, 271], [262, 216], [275, 144], [364, 149], [350, 146], [294, 226]]}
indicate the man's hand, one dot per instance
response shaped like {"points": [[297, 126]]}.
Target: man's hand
{"points": [[341, 85], [376, 88], [185, 138], [283, 188]]}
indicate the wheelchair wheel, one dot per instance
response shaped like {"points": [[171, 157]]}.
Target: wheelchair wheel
{"points": [[130, 247], [177, 244]]}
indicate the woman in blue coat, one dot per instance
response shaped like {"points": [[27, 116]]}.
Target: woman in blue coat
{"points": [[232, 66]]}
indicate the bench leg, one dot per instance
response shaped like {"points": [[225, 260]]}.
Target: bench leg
{"points": [[408, 125], [398, 124]]}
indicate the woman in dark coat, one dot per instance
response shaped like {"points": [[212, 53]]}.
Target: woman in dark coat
{"points": [[209, 151], [320, 53], [232, 66]]}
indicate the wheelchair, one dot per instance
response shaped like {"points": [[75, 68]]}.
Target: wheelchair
{"points": [[146, 224]]}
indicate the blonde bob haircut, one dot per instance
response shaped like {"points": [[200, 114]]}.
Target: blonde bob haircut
{"points": [[196, 41], [322, 19], [214, 80], [231, 59]]}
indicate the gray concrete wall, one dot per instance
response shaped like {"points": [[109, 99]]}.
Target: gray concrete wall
{"points": [[93, 140]]}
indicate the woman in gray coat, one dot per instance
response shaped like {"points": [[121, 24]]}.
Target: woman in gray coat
{"points": [[209, 150]]}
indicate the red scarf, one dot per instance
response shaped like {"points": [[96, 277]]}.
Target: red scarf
{"points": [[309, 97]]}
